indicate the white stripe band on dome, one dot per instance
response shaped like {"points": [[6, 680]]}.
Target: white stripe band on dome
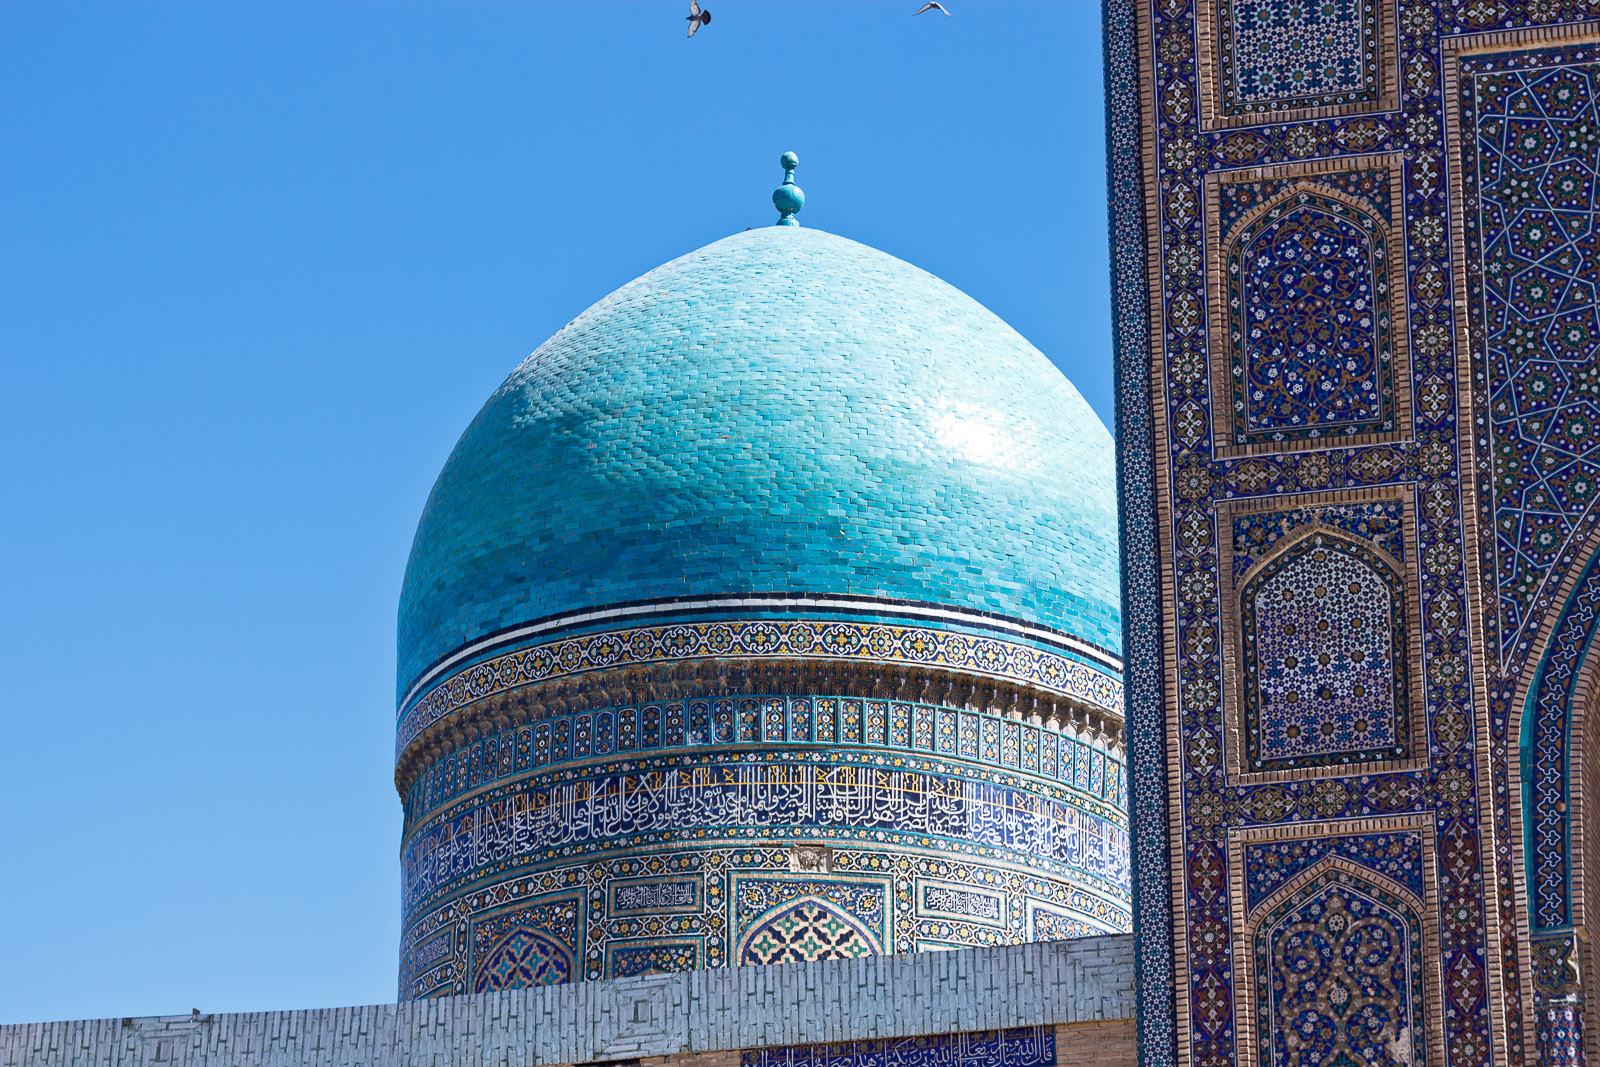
{"points": [[968, 618]]}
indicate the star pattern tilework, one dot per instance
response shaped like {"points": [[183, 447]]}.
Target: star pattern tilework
{"points": [[1533, 238]]}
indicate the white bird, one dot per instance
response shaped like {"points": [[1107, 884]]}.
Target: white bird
{"points": [[697, 17], [931, 5]]}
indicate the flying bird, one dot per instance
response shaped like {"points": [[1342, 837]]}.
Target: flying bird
{"points": [[697, 17], [932, 5]]}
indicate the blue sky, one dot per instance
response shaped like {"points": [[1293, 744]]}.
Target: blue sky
{"points": [[260, 263]]}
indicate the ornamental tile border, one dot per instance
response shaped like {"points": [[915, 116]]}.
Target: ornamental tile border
{"points": [[911, 646], [821, 724], [434, 949], [550, 819], [1125, 42]]}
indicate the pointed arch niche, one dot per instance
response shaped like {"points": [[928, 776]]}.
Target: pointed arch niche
{"points": [[1558, 803], [1337, 943], [1322, 641], [1308, 339]]}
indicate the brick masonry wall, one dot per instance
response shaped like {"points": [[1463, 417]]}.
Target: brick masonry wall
{"points": [[1102, 1043], [1084, 987]]}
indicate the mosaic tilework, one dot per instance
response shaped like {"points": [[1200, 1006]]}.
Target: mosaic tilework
{"points": [[533, 945], [1276, 56], [1308, 323], [794, 920], [820, 453], [1380, 522], [942, 901], [802, 638], [1476, 976], [1339, 968], [629, 961], [1269, 865], [803, 931], [1144, 633], [1323, 628], [1547, 826], [1558, 1001], [1051, 925], [1024, 1047], [875, 883], [554, 816], [828, 722], [1236, 199], [1530, 184]]}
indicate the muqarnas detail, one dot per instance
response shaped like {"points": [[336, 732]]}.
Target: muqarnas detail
{"points": [[1324, 648], [1309, 338], [1276, 56]]}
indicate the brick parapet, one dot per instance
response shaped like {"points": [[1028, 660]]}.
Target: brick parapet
{"points": [[703, 1014]]}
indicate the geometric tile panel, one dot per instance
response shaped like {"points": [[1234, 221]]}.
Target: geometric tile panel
{"points": [[1276, 56], [533, 945], [1533, 232], [1323, 630], [873, 892], [800, 920], [804, 931]]}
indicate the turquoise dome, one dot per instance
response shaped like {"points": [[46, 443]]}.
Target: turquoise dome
{"points": [[782, 411]]}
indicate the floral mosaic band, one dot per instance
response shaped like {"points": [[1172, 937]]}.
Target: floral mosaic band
{"points": [[910, 646]]}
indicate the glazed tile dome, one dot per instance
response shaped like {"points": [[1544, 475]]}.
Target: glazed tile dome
{"points": [[782, 411]]}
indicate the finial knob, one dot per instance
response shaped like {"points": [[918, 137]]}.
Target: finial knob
{"points": [[788, 198]]}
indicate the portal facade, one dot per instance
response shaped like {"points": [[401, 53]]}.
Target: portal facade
{"points": [[1359, 371]]}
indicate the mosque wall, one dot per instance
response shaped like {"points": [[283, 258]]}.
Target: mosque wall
{"points": [[1358, 378], [1023, 1006]]}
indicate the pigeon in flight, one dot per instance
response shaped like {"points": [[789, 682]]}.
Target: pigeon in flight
{"points": [[932, 5], [697, 17]]}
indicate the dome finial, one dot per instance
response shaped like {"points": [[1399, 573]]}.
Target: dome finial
{"points": [[788, 198]]}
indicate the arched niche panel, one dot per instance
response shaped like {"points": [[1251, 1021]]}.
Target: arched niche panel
{"points": [[1323, 638]]}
